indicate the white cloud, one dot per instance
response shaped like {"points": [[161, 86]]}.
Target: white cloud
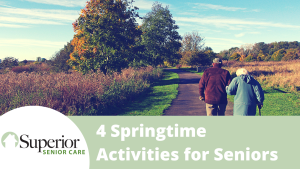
{"points": [[217, 7], [64, 15], [147, 5], [254, 32], [256, 10], [139, 21], [190, 13], [232, 23], [12, 26], [219, 44], [28, 21], [244, 33], [10, 15], [224, 39], [143, 4], [66, 3], [239, 35], [31, 42]]}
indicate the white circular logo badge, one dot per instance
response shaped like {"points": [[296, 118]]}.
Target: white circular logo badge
{"points": [[38, 137]]}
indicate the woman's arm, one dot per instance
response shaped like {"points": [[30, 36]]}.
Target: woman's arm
{"points": [[259, 93], [232, 88]]}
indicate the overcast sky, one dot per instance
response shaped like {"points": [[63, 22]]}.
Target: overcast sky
{"points": [[39, 28]]}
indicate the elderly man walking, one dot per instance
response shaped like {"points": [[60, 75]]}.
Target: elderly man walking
{"points": [[212, 88]]}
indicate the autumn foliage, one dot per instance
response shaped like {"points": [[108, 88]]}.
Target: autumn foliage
{"points": [[275, 51], [105, 36]]}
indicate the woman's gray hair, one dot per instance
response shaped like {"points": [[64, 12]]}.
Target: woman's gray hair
{"points": [[242, 71]]}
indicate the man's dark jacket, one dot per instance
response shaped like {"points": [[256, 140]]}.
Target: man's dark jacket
{"points": [[212, 85]]}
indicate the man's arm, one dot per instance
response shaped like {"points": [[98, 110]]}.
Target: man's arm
{"points": [[202, 86], [228, 78]]}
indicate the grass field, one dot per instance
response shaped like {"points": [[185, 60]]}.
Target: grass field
{"points": [[153, 102], [192, 70], [279, 102]]}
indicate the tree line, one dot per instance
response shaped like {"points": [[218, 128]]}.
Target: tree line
{"points": [[107, 37], [275, 51]]}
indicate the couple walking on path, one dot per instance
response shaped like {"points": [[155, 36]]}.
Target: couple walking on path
{"points": [[214, 86], [216, 83]]}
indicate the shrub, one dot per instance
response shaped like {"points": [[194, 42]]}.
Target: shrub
{"points": [[235, 56], [19, 69], [59, 60], [35, 67], [167, 64], [249, 58], [9, 62], [178, 66]]}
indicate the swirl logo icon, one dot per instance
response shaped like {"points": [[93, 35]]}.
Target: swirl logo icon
{"points": [[9, 140]]}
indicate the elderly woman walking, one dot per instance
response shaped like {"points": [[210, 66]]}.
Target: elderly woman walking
{"points": [[248, 93]]}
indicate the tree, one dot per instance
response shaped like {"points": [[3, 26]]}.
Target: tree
{"points": [[261, 56], [203, 58], [258, 47], [59, 60], [268, 57], [193, 51], [210, 55], [192, 42], [242, 58], [25, 61], [291, 54], [245, 49], [278, 55], [224, 55], [235, 56], [232, 50], [105, 36], [293, 45], [197, 58], [283, 45], [160, 37], [249, 58], [187, 58], [9, 62]]}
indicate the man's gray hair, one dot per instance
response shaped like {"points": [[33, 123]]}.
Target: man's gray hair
{"points": [[242, 71]]}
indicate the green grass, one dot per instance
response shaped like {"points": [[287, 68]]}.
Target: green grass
{"points": [[192, 70], [279, 102], [154, 101]]}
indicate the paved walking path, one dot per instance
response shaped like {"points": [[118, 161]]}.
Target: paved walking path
{"points": [[187, 102]]}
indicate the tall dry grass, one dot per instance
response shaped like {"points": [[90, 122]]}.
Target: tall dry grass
{"points": [[73, 93], [285, 74]]}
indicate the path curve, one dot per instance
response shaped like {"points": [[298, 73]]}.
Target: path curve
{"points": [[187, 102]]}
